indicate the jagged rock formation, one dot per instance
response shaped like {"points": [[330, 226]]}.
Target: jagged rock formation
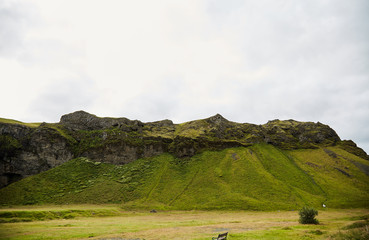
{"points": [[28, 150]]}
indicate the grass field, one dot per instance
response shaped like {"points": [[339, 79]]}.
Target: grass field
{"points": [[111, 222]]}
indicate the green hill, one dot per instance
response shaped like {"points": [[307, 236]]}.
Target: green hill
{"points": [[210, 163], [258, 177]]}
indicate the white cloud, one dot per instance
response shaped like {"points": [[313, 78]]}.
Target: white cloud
{"points": [[251, 61]]}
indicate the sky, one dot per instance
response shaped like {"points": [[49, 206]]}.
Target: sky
{"points": [[248, 60]]}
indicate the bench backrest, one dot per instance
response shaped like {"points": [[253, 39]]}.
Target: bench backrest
{"points": [[222, 236]]}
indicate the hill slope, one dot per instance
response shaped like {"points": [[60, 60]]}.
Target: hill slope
{"points": [[261, 176]]}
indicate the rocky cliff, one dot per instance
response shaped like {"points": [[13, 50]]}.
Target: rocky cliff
{"points": [[28, 149]]}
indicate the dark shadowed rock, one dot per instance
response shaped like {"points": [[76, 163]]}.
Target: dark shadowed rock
{"points": [[26, 151]]}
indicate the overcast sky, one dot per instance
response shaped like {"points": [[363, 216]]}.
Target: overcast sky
{"points": [[249, 60]]}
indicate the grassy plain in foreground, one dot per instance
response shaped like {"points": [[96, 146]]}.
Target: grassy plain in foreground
{"points": [[199, 225]]}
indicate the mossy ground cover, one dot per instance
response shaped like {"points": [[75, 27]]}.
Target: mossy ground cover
{"points": [[198, 225], [260, 177], [11, 121], [343, 183]]}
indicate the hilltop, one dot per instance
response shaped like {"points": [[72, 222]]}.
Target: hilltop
{"points": [[211, 163]]}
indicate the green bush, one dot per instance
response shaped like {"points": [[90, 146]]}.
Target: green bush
{"points": [[307, 215]]}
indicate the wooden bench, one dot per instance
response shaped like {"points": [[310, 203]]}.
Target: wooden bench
{"points": [[222, 236]]}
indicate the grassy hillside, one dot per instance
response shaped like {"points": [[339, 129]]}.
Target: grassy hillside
{"points": [[260, 177], [11, 121]]}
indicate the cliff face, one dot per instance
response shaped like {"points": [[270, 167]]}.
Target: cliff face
{"points": [[28, 150], [25, 151]]}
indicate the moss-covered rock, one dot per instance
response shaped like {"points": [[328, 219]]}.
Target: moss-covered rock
{"points": [[351, 147]]}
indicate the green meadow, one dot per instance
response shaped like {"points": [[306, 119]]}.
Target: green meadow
{"points": [[112, 222]]}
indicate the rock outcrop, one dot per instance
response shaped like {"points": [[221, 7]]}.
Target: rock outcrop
{"points": [[25, 151], [82, 120], [28, 150]]}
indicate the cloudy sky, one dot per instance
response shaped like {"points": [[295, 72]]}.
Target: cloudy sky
{"points": [[249, 60]]}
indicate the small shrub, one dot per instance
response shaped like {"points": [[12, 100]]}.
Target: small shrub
{"points": [[307, 215]]}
